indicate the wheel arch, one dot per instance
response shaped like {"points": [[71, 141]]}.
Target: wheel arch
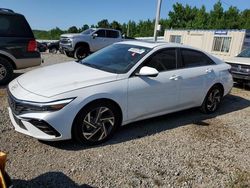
{"points": [[220, 85], [117, 106], [8, 59], [85, 44]]}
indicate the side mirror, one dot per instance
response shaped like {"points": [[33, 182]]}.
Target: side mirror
{"points": [[148, 71], [95, 35]]}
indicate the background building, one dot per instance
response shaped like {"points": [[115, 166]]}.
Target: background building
{"points": [[221, 43]]}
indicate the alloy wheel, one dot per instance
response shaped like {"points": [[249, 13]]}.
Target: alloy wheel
{"points": [[98, 124], [213, 100]]}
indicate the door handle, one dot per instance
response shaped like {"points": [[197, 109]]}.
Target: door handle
{"points": [[209, 70], [174, 77]]}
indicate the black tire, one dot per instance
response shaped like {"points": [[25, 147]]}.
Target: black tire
{"points": [[212, 100], [6, 71], [81, 52], [89, 128], [53, 50], [69, 54]]}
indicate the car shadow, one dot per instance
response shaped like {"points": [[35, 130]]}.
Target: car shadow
{"points": [[49, 179], [230, 103]]}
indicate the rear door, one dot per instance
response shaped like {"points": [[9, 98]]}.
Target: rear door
{"points": [[197, 72], [112, 36], [105, 37]]}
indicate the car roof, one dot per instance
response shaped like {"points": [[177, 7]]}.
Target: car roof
{"points": [[8, 12], [152, 44]]}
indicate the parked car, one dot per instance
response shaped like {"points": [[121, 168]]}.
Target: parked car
{"points": [[120, 84], [41, 46], [241, 66], [81, 44], [53, 47], [18, 47]]}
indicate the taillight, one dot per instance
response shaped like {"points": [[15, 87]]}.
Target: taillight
{"points": [[32, 46]]}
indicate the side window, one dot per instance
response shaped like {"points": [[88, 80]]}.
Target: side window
{"points": [[112, 34], [163, 60], [192, 58], [4, 25], [101, 33], [14, 26]]}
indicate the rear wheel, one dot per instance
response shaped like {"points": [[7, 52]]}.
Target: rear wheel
{"points": [[81, 52], [53, 50], [212, 100], [96, 123], [6, 71]]}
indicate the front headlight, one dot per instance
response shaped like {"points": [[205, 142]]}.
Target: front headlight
{"points": [[45, 107]]}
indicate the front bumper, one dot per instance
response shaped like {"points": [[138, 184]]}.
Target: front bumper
{"points": [[238, 76], [24, 126], [28, 62], [40, 125], [66, 47]]}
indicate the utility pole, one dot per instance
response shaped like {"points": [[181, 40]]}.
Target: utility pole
{"points": [[157, 18]]}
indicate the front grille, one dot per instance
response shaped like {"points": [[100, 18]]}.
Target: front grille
{"points": [[238, 68], [64, 40]]}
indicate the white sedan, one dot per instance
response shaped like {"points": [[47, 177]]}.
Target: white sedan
{"points": [[120, 84]]}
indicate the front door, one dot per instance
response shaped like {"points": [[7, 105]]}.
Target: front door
{"points": [[154, 95]]}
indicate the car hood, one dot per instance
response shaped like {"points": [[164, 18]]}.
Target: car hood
{"points": [[64, 77], [73, 35], [239, 60]]}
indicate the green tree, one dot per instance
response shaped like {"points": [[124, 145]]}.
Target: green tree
{"points": [[245, 19], [85, 27], [131, 29], [103, 24], [216, 17], [73, 29], [182, 17], [116, 25], [201, 19], [232, 18], [55, 33]]}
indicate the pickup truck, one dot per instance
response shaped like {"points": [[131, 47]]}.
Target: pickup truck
{"points": [[81, 44], [240, 67]]}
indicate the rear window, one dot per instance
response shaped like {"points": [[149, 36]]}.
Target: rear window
{"points": [[112, 34], [192, 58], [14, 26]]}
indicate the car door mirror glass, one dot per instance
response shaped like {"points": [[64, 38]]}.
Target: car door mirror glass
{"points": [[148, 71]]}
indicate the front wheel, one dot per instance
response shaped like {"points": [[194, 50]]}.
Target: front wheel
{"points": [[212, 100], [96, 123], [81, 52]]}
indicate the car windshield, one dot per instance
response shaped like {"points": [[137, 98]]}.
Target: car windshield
{"points": [[88, 31], [245, 53], [117, 58]]}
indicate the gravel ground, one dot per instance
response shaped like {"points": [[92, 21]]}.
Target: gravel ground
{"points": [[184, 149]]}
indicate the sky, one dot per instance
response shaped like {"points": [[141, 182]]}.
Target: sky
{"points": [[48, 14]]}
